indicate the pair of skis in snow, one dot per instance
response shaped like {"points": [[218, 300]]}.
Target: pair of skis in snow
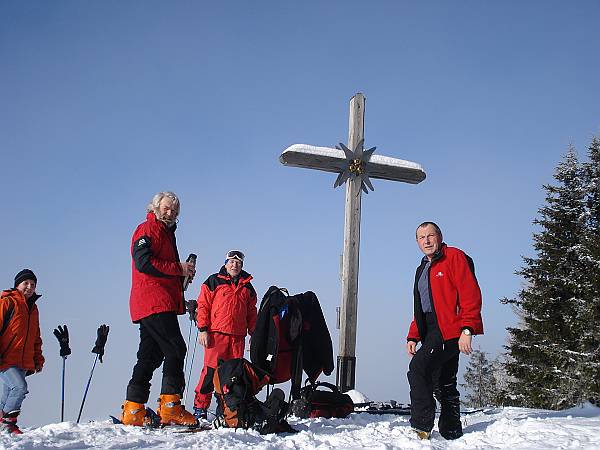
{"points": [[394, 407]]}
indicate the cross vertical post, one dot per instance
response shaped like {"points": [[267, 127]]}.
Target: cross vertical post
{"points": [[354, 166], [346, 362]]}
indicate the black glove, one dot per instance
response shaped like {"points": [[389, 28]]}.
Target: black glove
{"points": [[62, 334], [101, 340], [191, 306]]}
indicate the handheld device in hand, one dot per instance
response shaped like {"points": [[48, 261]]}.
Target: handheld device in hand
{"points": [[187, 279]]}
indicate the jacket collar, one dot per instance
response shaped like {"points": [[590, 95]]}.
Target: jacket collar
{"points": [[244, 278], [436, 256], [151, 217], [16, 292]]}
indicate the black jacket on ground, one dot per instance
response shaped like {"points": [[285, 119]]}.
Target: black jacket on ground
{"points": [[303, 327]]}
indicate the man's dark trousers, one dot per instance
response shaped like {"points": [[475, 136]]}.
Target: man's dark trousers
{"points": [[432, 370], [160, 339]]}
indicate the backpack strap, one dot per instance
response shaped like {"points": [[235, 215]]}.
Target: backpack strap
{"points": [[333, 387], [7, 318]]}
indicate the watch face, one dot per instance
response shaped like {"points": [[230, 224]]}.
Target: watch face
{"points": [[467, 332]]}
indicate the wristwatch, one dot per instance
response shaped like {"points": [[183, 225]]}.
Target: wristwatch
{"points": [[466, 331]]}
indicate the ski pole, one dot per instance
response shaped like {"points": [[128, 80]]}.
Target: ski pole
{"points": [[188, 342], [87, 387], [186, 347], [187, 384], [62, 334], [191, 307], [62, 394], [99, 351]]}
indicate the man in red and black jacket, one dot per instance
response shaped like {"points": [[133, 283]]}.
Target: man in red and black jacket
{"points": [[155, 301], [226, 313], [447, 313]]}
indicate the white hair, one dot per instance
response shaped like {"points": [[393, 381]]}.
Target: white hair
{"points": [[154, 205]]}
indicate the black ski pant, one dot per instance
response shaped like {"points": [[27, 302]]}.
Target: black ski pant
{"points": [[432, 371], [160, 340]]}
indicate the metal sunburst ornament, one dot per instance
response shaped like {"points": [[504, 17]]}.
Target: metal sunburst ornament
{"points": [[356, 165]]}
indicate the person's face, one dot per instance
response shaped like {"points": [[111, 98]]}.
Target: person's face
{"points": [[167, 212], [233, 267], [429, 240], [27, 288]]}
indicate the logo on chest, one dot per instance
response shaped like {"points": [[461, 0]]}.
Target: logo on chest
{"points": [[439, 274]]}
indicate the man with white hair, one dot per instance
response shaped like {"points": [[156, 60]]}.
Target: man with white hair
{"points": [[155, 301]]}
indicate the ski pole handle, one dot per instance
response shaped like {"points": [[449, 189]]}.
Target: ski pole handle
{"points": [[188, 279]]}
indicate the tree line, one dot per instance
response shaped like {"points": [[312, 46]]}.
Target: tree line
{"points": [[552, 358]]}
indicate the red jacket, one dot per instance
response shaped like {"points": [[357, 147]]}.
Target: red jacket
{"points": [[156, 280], [20, 343], [455, 295], [226, 308]]}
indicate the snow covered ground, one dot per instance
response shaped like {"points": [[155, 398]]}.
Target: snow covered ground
{"points": [[508, 428]]}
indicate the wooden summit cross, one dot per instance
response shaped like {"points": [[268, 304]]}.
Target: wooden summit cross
{"points": [[355, 166]]}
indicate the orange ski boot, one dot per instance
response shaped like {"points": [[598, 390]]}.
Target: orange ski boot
{"points": [[172, 412], [133, 413]]}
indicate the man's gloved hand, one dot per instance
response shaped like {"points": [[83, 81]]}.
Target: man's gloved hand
{"points": [[62, 334], [191, 306], [101, 340]]}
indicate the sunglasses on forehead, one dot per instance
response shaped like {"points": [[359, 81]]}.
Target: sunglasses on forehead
{"points": [[235, 254]]}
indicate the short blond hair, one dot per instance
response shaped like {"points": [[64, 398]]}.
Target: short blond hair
{"points": [[154, 204]]}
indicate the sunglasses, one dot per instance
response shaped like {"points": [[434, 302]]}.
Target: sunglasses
{"points": [[235, 254]]}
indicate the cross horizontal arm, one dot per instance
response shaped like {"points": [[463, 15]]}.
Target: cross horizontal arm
{"points": [[334, 160]]}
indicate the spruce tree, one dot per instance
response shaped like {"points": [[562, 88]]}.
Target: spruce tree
{"points": [[479, 381], [544, 358], [590, 313]]}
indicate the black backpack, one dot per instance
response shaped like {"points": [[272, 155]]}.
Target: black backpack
{"points": [[236, 383], [314, 402]]}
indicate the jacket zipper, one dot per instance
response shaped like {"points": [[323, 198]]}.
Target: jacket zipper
{"points": [[27, 334]]}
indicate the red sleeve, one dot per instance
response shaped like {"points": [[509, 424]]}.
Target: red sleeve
{"points": [[166, 267], [413, 332], [143, 250], [469, 294], [205, 301]]}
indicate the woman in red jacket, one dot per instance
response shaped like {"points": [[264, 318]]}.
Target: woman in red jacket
{"points": [[20, 346]]}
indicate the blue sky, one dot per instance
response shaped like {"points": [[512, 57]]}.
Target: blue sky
{"points": [[105, 103]]}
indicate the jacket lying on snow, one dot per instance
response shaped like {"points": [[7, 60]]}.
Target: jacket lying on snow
{"points": [[226, 308], [455, 295], [20, 343], [156, 281]]}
